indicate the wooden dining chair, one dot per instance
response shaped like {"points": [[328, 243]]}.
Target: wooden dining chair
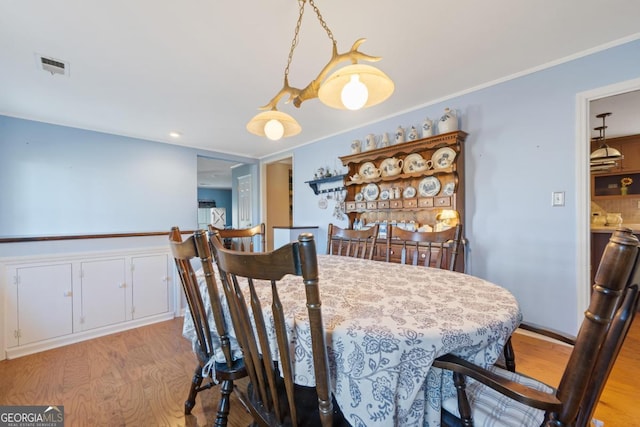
{"points": [[353, 243], [272, 397], [501, 398], [242, 239], [437, 249], [209, 343]]}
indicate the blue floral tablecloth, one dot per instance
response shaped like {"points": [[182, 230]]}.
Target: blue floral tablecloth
{"points": [[385, 325]]}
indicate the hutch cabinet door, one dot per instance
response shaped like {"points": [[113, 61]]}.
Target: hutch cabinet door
{"points": [[149, 285], [41, 305], [103, 287]]}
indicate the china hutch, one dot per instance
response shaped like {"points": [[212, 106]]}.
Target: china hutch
{"points": [[409, 183]]}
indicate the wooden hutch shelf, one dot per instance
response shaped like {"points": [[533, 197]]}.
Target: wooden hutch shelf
{"points": [[420, 207]]}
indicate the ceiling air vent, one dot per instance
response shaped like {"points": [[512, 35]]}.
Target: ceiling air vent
{"points": [[52, 65]]}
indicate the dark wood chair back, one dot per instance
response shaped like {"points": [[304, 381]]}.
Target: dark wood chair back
{"points": [[353, 243], [242, 239], [614, 301], [208, 341], [437, 249], [271, 398]]}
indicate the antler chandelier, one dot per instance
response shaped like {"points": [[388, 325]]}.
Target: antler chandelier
{"points": [[352, 87]]}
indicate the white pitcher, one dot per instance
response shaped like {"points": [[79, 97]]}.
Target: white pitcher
{"points": [[399, 135], [448, 122], [427, 128]]}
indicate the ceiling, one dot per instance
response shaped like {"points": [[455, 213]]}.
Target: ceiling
{"points": [[144, 68]]}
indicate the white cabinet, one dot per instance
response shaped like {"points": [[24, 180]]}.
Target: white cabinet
{"points": [[57, 300], [39, 303], [149, 285], [102, 285]]}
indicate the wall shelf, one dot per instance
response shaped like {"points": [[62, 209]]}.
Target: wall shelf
{"points": [[314, 184]]}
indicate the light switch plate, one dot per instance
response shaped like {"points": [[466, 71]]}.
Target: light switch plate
{"points": [[557, 198]]}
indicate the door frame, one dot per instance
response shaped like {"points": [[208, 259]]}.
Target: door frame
{"points": [[583, 186]]}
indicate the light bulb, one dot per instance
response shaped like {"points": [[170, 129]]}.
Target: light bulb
{"points": [[273, 129], [354, 94]]}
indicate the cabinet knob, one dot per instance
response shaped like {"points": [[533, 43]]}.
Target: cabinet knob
{"points": [[122, 285], [68, 293]]}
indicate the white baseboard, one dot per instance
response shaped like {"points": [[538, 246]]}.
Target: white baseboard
{"points": [[24, 350]]}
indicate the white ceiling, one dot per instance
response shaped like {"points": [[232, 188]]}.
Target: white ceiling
{"points": [[144, 68]]}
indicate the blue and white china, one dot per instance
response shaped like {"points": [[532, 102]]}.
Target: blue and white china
{"points": [[385, 140], [427, 128], [448, 122], [356, 146], [399, 135], [371, 142], [413, 134], [391, 166], [429, 187], [443, 157]]}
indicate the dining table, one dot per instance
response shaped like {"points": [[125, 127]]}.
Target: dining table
{"points": [[385, 323]]}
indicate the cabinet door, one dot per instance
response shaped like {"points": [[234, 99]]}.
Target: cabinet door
{"points": [[150, 290], [43, 302], [103, 284]]}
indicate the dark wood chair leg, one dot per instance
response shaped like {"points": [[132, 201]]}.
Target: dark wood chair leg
{"points": [[225, 403], [195, 387], [509, 356]]}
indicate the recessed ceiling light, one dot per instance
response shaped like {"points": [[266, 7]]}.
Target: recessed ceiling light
{"points": [[175, 134]]}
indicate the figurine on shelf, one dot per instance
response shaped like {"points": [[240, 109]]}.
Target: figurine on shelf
{"points": [[399, 135], [413, 133], [385, 140]]}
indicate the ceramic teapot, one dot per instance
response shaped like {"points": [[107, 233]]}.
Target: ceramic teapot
{"points": [[392, 166], [423, 165], [448, 122], [371, 173]]}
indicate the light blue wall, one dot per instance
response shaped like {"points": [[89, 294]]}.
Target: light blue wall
{"points": [[60, 180], [521, 148], [222, 198]]}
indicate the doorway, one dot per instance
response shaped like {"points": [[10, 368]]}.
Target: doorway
{"points": [[278, 196], [587, 106]]}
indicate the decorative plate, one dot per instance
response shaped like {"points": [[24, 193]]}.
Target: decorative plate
{"points": [[359, 197], [371, 192], [323, 203], [384, 195], [409, 192], [368, 170], [449, 188], [429, 186], [443, 158], [410, 162]]}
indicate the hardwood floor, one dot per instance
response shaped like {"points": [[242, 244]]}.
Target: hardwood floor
{"points": [[141, 378]]}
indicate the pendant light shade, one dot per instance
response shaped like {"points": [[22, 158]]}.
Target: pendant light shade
{"points": [[274, 125], [335, 90], [606, 153], [352, 87], [605, 157]]}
